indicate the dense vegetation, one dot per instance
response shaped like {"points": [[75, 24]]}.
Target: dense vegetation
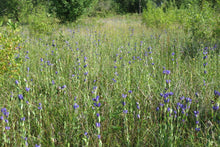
{"points": [[95, 73]]}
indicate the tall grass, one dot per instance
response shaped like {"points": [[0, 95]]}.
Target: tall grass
{"points": [[112, 82]]}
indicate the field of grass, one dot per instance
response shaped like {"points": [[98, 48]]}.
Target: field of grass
{"points": [[111, 82]]}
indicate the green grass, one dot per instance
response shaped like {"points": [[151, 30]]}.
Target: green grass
{"points": [[120, 49]]}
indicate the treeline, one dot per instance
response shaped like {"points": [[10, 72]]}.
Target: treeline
{"points": [[70, 10]]}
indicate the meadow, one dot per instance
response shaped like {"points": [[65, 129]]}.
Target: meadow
{"points": [[111, 82]]}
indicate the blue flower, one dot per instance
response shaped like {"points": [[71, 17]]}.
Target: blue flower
{"points": [[188, 100], [99, 136], [7, 128], [20, 96], [6, 120], [125, 111], [97, 105], [197, 129], [98, 124], [215, 107], [16, 82], [96, 99], [124, 95], [3, 110], [166, 72], [196, 113], [40, 106], [168, 81], [64, 86], [27, 89], [23, 119], [75, 106]]}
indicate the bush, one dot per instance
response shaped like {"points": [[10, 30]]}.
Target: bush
{"points": [[9, 51], [41, 22], [200, 22], [70, 10]]}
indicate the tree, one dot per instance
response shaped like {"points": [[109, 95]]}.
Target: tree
{"points": [[70, 10]]}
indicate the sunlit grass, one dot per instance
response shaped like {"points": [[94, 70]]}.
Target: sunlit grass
{"points": [[103, 82]]}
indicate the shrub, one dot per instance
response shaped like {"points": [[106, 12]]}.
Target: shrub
{"points": [[70, 10], [9, 51]]}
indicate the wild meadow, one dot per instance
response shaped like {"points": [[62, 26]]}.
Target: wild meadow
{"points": [[114, 81], [111, 82]]}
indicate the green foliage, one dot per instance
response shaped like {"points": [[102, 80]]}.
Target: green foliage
{"points": [[104, 7], [200, 22], [9, 51], [131, 6], [15, 9], [67, 10], [41, 22]]}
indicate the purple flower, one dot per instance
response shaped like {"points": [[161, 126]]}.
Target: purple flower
{"points": [[173, 54], [20, 96], [36, 145], [124, 95], [23, 119], [64, 86], [188, 100], [27, 89], [96, 99], [125, 111], [215, 107], [53, 82], [40, 106], [75, 106], [97, 114], [98, 124], [7, 128], [129, 91], [6, 120], [166, 72], [138, 107], [166, 100], [1, 118], [168, 81], [97, 105], [123, 103], [16, 82], [197, 129], [158, 108], [197, 122], [205, 64], [196, 113], [3, 110], [138, 116], [99, 136], [216, 93], [114, 80]]}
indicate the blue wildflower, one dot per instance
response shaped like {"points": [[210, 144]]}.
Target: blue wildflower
{"points": [[20, 96], [166, 72], [98, 124], [75, 106]]}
